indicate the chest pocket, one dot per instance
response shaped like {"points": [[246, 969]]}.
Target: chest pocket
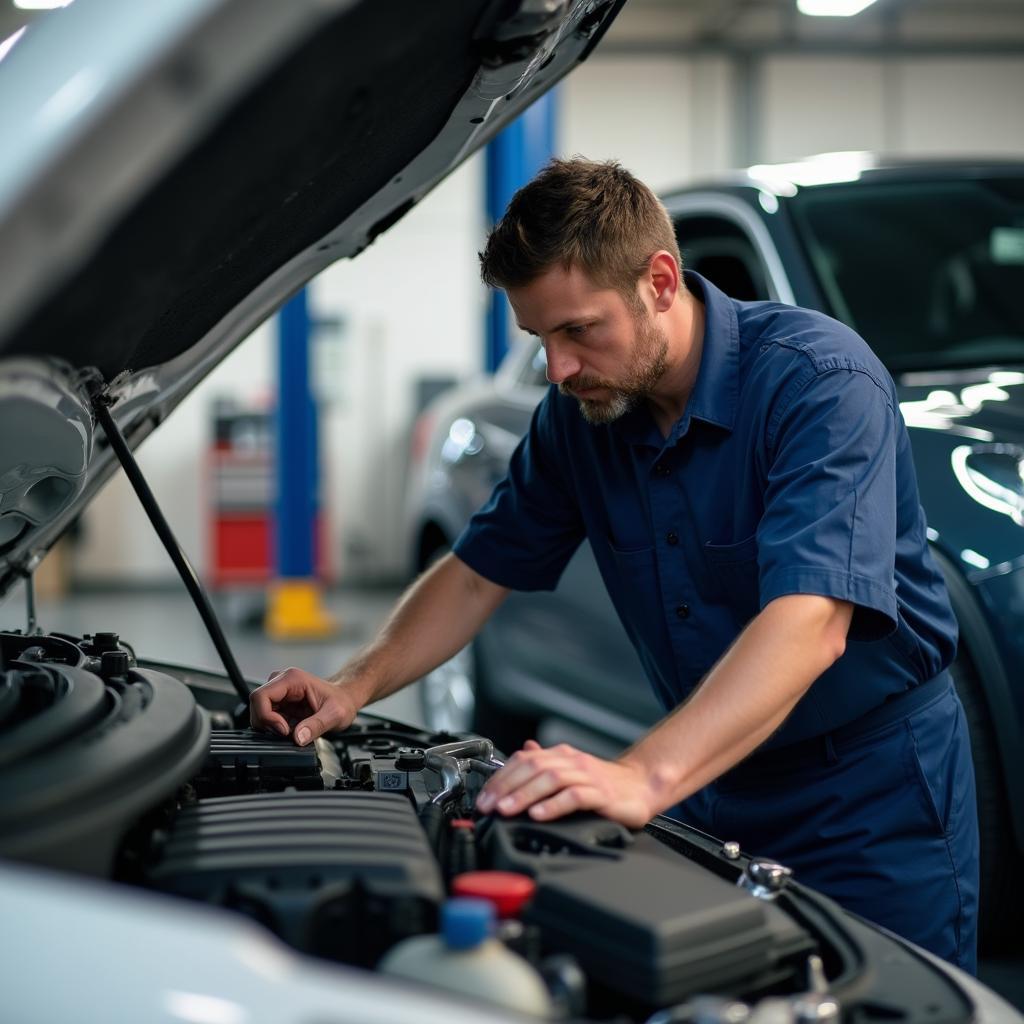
{"points": [[735, 571]]}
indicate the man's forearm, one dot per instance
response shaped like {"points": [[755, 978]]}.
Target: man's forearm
{"points": [[437, 616], [744, 699]]}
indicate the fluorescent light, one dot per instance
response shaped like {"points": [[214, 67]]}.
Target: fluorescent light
{"points": [[40, 5], [832, 8]]}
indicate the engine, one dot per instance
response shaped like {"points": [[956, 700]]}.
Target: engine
{"points": [[141, 774]]}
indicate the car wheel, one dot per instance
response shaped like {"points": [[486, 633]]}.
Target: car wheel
{"points": [[1002, 895], [455, 697], [448, 694], [507, 726]]}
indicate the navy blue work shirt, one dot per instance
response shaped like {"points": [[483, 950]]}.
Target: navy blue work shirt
{"points": [[789, 472]]}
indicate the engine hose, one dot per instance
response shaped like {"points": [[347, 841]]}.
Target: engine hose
{"points": [[462, 851], [432, 820]]}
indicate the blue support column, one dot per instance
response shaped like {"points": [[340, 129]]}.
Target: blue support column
{"points": [[294, 609], [296, 461], [513, 158]]}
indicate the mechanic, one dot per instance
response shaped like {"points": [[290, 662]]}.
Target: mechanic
{"points": [[744, 477]]}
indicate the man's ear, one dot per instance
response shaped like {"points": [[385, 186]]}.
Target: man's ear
{"points": [[663, 278]]}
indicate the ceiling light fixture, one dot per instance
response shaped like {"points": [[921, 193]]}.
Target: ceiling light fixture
{"points": [[832, 8], [40, 5]]}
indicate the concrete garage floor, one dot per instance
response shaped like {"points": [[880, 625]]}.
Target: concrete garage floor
{"points": [[164, 625]]}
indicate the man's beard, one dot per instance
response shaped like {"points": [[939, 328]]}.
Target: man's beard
{"points": [[647, 366]]}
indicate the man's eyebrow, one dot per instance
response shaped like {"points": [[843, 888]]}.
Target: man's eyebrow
{"points": [[560, 327]]}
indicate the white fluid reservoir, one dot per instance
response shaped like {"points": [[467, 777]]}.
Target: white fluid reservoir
{"points": [[466, 958]]}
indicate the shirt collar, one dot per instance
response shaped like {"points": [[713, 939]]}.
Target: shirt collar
{"points": [[715, 394]]}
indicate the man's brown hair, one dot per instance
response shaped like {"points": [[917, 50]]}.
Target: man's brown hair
{"points": [[579, 213]]}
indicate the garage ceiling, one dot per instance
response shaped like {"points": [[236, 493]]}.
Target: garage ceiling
{"points": [[962, 26]]}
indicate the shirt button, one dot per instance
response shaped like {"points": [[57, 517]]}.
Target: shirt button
{"points": [[683, 611], [672, 538], [661, 469]]}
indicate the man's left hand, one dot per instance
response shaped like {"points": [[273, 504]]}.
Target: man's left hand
{"points": [[553, 782]]}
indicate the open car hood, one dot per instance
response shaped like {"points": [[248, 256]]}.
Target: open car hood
{"points": [[176, 169]]}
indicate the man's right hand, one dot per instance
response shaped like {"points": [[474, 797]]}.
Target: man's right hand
{"points": [[297, 703]]}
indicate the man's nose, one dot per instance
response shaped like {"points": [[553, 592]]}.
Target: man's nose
{"points": [[561, 365]]}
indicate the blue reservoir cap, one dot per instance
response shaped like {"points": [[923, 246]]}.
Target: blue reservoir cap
{"points": [[465, 922]]}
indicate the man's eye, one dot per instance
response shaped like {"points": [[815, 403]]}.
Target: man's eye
{"points": [[577, 329]]}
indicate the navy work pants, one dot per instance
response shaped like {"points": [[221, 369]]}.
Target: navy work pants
{"points": [[883, 821]]}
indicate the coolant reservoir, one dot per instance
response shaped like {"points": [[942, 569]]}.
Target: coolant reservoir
{"points": [[466, 958]]}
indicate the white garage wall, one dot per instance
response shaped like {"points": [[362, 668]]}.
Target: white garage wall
{"points": [[412, 304], [790, 130], [962, 106], [645, 112], [919, 106]]}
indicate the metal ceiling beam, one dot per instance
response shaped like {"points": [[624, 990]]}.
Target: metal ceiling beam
{"points": [[806, 48], [970, 8]]}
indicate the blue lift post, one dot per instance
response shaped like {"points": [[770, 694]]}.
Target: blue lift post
{"points": [[513, 157], [295, 606]]}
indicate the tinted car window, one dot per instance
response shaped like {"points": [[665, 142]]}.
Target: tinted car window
{"points": [[720, 250], [929, 273]]}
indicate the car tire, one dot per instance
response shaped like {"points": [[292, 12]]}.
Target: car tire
{"points": [[448, 694], [455, 697], [1002, 895], [452, 701], [508, 730]]}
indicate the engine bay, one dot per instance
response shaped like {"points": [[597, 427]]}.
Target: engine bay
{"points": [[144, 774]]}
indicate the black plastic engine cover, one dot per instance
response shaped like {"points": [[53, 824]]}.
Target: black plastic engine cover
{"points": [[243, 761], [659, 930], [86, 756], [342, 875]]}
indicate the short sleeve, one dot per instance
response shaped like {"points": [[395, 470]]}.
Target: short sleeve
{"points": [[829, 523], [525, 534]]}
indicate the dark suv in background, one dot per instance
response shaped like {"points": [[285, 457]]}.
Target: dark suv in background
{"points": [[926, 262]]}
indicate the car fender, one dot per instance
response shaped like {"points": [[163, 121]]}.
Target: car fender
{"points": [[976, 635]]}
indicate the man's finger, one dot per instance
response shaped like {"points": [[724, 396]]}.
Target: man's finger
{"points": [[283, 687], [262, 713], [543, 784], [503, 782], [574, 798], [316, 725], [516, 773], [286, 686]]}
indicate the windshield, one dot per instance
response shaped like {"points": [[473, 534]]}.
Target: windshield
{"points": [[931, 274]]}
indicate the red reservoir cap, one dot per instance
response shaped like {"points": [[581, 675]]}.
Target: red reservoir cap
{"points": [[508, 891]]}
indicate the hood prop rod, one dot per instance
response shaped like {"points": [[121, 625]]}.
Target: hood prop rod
{"points": [[30, 604], [101, 406], [23, 570]]}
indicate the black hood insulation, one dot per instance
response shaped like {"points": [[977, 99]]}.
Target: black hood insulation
{"points": [[348, 115]]}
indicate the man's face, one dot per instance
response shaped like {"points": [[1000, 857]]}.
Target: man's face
{"points": [[604, 352]]}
